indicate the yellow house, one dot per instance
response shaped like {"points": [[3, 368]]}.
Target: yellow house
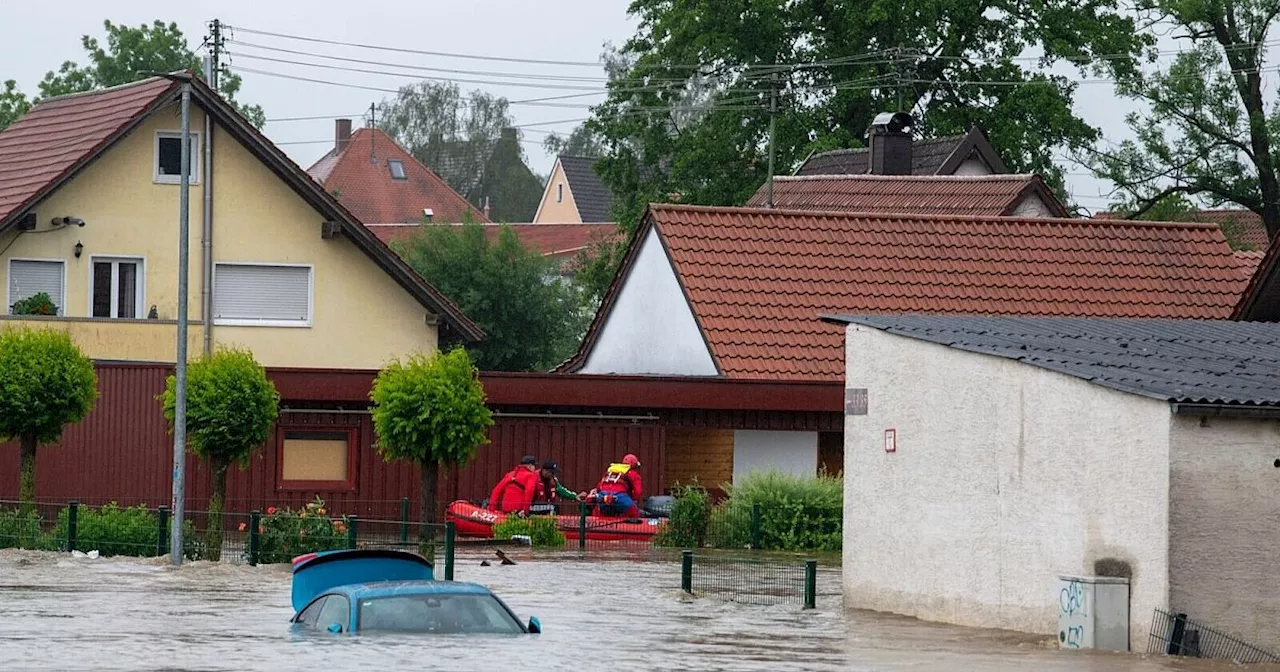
{"points": [[574, 194], [89, 212]]}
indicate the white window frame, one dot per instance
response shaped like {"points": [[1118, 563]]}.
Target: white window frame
{"points": [[311, 297], [8, 284], [155, 158], [404, 175], [140, 292]]}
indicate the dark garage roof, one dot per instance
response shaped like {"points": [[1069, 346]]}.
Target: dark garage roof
{"points": [[1188, 362]]}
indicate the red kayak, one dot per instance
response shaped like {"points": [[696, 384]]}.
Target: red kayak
{"points": [[473, 521]]}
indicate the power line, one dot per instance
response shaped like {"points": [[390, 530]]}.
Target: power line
{"points": [[325, 66]]}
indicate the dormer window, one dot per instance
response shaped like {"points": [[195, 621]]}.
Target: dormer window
{"points": [[397, 169]]}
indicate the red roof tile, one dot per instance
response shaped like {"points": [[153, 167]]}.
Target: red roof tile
{"points": [[1247, 224], [52, 140], [758, 279], [561, 241], [1249, 261], [984, 195], [367, 189]]}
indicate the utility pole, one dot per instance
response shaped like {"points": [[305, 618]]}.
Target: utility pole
{"points": [[373, 123], [773, 125], [180, 382], [216, 45]]}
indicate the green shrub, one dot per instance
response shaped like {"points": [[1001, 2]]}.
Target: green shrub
{"points": [[285, 534], [796, 513], [22, 529], [117, 530], [690, 515], [39, 304], [541, 530]]}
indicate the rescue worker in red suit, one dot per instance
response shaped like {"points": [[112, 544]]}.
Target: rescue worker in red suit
{"points": [[517, 489], [619, 493]]}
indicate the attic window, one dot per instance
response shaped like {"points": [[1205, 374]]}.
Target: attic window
{"points": [[397, 169]]}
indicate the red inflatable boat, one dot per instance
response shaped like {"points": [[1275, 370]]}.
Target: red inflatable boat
{"points": [[473, 521]]}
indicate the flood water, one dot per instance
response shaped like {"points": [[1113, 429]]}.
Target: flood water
{"points": [[60, 613]]}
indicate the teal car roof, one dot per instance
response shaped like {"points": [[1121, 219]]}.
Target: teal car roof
{"points": [[376, 589]]}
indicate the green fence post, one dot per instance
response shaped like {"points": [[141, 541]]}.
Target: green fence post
{"points": [[755, 527], [810, 584], [582, 525], [352, 523], [73, 516], [162, 538], [450, 531], [255, 539], [686, 571], [404, 520]]}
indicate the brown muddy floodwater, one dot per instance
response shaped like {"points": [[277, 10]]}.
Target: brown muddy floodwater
{"points": [[59, 613]]}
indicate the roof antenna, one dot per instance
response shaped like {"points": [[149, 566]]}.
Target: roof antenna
{"points": [[373, 123]]}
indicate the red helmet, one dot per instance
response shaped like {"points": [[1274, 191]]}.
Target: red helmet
{"points": [[631, 460]]}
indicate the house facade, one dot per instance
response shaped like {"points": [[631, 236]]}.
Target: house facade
{"points": [[89, 209], [967, 154], [575, 194], [734, 294], [987, 456]]}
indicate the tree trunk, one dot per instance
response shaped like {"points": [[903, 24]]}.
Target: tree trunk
{"points": [[27, 491], [430, 515], [213, 525]]}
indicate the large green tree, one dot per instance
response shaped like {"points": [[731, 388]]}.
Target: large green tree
{"points": [[1209, 129], [689, 113], [45, 384], [508, 186], [532, 318], [231, 406], [127, 55], [13, 103]]}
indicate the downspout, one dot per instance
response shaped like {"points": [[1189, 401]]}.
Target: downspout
{"points": [[206, 240]]}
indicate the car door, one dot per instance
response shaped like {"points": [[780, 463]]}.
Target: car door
{"points": [[311, 614], [335, 611]]}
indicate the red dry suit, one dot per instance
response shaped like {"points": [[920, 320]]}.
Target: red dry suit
{"points": [[516, 491]]}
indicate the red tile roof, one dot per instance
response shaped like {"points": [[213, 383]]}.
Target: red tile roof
{"points": [[984, 195], [1249, 261], [56, 138], [561, 241], [1247, 225], [367, 189], [758, 279]]}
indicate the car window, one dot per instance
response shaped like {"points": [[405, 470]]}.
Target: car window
{"points": [[311, 613], [335, 610], [444, 614]]}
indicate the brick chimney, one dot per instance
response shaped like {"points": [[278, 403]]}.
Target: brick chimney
{"points": [[341, 134], [889, 140]]}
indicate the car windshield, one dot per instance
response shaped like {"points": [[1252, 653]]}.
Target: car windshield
{"points": [[445, 614]]}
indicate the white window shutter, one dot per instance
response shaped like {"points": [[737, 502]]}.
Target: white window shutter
{"points": [[265, 293], [28, 278]]}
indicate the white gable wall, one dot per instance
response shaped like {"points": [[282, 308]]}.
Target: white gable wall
{"points": [[973, 166], [650, 329], [1005, 476], [1031, 205]]}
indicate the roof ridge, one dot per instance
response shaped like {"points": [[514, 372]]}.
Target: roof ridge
{"points": [[98, 92], [839, 214], [993, 177], [847, 150]]}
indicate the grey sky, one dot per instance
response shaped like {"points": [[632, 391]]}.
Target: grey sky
{"points": [[38, 36]]}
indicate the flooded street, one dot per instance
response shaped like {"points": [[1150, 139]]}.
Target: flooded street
{"points": [[61, 613]]}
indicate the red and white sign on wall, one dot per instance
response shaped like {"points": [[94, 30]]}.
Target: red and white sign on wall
{"points": [[890, 440]]}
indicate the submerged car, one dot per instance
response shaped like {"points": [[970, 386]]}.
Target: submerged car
{"points": [[365, 591]]}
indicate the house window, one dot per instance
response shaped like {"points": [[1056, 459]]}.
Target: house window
{"points": [[313, 458], [169, 157], [116, 289], [397, 169], [560, 193], [28, 277], [269, 295]]}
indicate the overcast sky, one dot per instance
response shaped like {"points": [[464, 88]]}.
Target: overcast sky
{"points": [[38, 36]]}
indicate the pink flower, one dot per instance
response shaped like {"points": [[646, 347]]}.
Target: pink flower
{"points": [[271, 510], [243, 526]]}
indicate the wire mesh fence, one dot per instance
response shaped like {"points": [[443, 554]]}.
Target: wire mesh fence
{"points": [[763, 581], [1176, 635]]}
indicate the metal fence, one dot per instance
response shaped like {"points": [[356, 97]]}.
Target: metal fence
{"points": [[1176, 635], [750, 580]]}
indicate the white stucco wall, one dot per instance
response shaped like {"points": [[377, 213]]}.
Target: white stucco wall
{"points": [[788, 452], [1225, 525], [1005, 476], [973, 166], [651, 330], [1031, 206]]}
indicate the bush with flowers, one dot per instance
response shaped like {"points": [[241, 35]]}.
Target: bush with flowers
{"points": [[286, 533]]}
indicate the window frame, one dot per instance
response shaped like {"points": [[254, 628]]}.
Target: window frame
{"points": [[8, 285], [242, 322], [140, 292], [155, 158], [397, 162], [353, 449], [560, 192]]}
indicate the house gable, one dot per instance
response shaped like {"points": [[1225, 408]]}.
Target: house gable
{"points": [[648, 327], [558, 205]]}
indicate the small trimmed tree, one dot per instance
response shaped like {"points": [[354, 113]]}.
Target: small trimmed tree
{"points": [[430, 410], [231, 406], [45, 384]]}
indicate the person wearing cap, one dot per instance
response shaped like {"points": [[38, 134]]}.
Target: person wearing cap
{"points": [[619, 492], [551, 489], [517, 489]]}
